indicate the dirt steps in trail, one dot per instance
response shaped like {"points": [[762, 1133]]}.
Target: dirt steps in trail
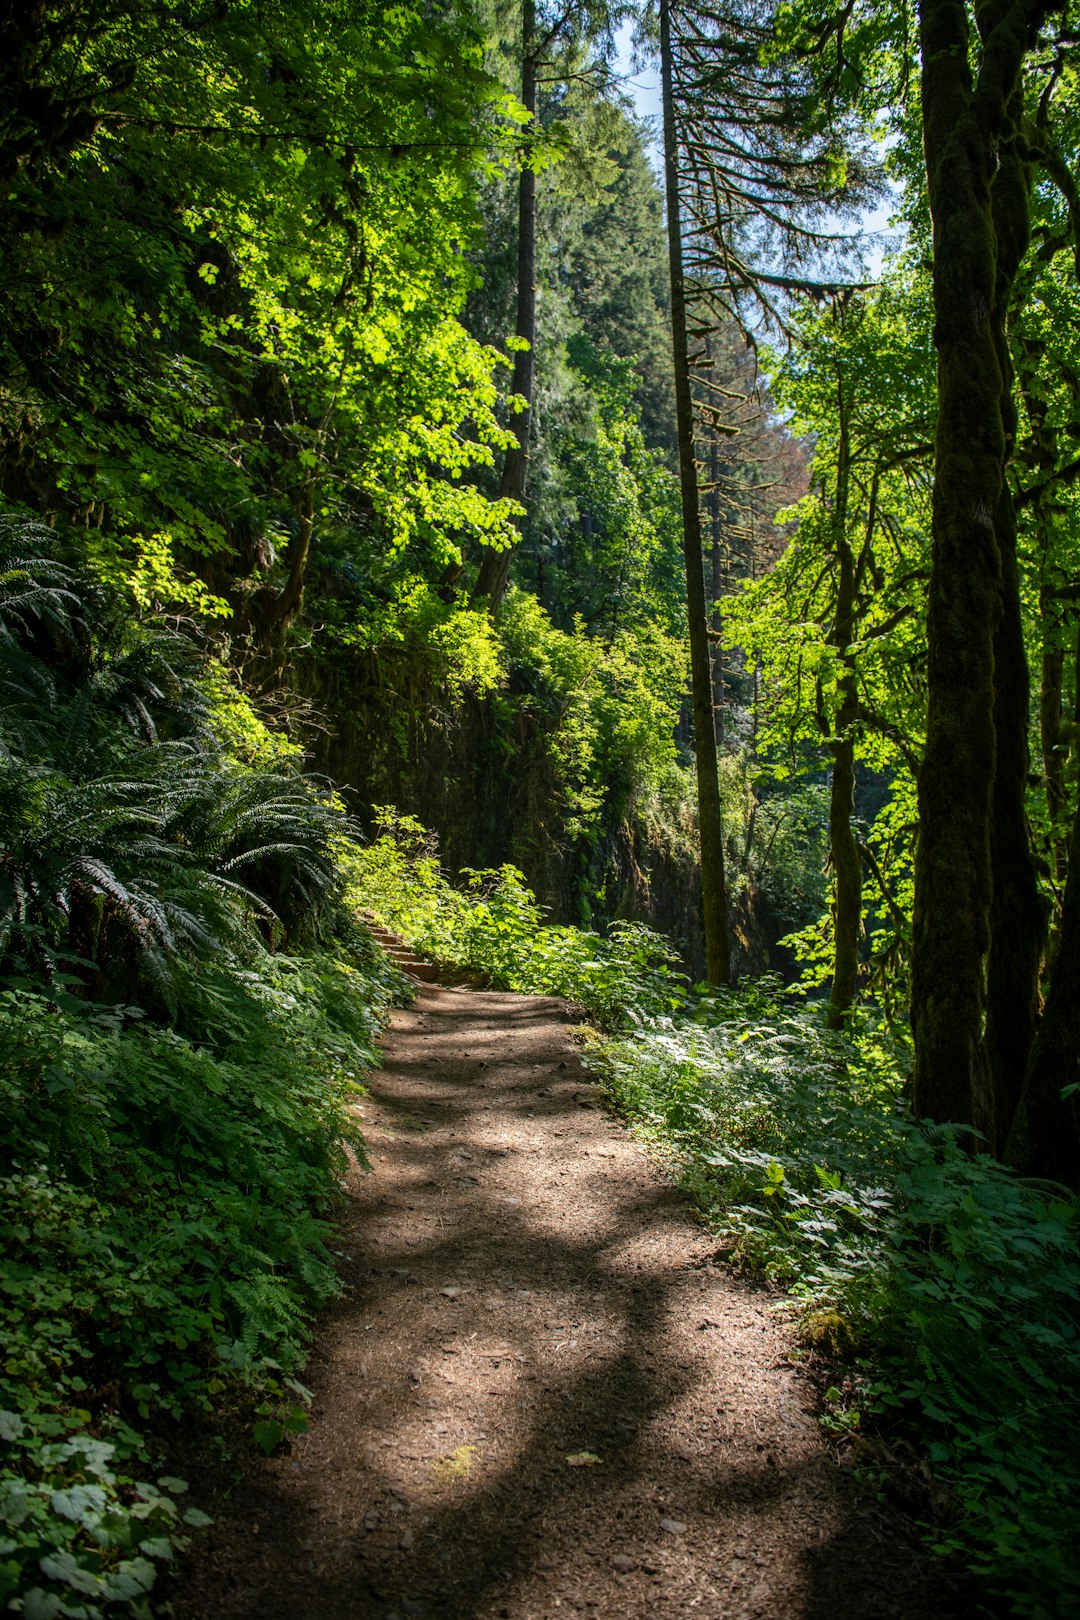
{"points": [[402, 955], [540, 1395], [420, 968]]}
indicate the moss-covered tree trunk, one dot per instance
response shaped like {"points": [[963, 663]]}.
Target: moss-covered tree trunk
{"points": [[966, 124], [1045, 1136], [710, 823], [1016, 914], [494, 573]]}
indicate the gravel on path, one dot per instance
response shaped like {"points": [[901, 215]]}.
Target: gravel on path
{"points": [[539, 1393]]}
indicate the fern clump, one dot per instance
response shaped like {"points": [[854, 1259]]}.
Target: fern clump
{"points": [[186, 1016]]}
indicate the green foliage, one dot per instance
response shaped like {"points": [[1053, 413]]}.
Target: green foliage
{"points": [[776, 835], [955, 1281], [132, 836], [610, 708], [83, 1536], [230, 333], [603, 540], [494, 926], [866, 521], [163, 1213], [175, 1089]]}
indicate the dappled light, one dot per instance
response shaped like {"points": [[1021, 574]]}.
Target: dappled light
{"points": [[540, 1394]]}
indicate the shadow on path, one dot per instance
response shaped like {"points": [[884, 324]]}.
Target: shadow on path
{"points": [[538, 1395]]}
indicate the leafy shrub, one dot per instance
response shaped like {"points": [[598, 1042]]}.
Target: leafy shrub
{"points": [[494, 926], [957, 1282], [174, 1088], [164, 1219]]}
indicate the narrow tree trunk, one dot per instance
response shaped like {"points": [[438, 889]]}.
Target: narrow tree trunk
{"points": [[962, 126], [716, 584], [494, 575], [1042, 513], [1051, 695], [843, 844], [713, 885], [291, 597]]}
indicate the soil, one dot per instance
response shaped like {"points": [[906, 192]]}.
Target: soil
{"points": [[540, 1392]]}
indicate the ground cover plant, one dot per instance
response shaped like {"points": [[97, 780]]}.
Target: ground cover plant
{"points": [[186, 1014], [491, 923], [952, 1284]]}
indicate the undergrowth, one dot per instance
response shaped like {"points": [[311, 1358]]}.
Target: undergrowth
{"points": [[492, 924], [186, 1012], [953, 1284]]}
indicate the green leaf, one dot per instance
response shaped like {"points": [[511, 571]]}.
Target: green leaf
{"points": [[269, 1434]]}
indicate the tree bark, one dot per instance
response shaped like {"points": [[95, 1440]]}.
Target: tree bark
{"points": [[710, 823], [494, 574], [1017, 928], [291, 598], [963, 124], [716, 585], [1043, 503], [1045, 1136]]}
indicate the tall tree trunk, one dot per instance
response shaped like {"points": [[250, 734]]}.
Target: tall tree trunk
{"points": [[494, 575], [1017, 930], [1044, 506], [962, 127], [713, 884], [1045, 1136], [716, 585], [843, 844]]}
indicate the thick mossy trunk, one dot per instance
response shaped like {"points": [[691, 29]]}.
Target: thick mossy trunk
{"points": [[1045, 1135], [964, 128], [710, 823], [1017, 930], [494, 573]]}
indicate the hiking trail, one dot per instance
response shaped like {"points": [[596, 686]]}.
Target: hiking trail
{"points": [[539, 1393]]}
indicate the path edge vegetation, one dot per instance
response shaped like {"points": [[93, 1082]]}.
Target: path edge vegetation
{"points": [[941, 1286]]}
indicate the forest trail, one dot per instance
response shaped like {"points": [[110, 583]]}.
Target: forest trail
{"points": [[525, 1293]]}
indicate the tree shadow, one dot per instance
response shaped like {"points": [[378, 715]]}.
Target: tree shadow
{"points": [[511, 1534]]}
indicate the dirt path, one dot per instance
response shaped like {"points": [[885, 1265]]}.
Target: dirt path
{"points": [[524, 1293]]}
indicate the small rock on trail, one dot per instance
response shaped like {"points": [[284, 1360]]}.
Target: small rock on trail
{"points": [[524, 1290]]}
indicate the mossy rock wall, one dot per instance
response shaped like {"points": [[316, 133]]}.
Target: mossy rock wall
{"points": [[478, 773]]}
